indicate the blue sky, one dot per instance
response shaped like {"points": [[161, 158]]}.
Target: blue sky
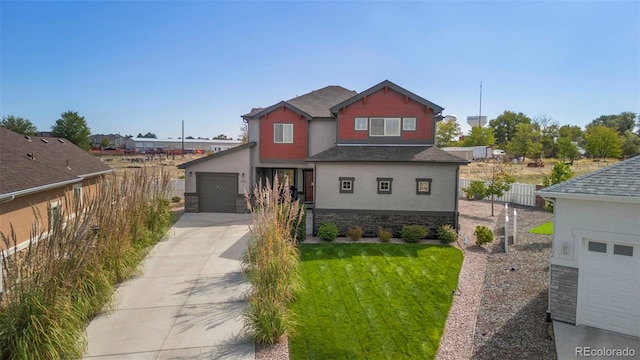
{"points": [[131, 67]]}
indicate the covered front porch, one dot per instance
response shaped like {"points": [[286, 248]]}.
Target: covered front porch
{"points": [[301, 180]]}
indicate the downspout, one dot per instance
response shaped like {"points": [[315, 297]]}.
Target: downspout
{"points": [[553, 241], [456, 199]]}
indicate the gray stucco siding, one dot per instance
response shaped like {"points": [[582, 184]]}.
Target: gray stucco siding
{"points": [[236, 162], [365, 194], [322, 135]]}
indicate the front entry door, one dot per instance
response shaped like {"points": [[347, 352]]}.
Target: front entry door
{"points": [[308, 186]]}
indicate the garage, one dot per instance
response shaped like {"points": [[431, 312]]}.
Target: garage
{"points": [[217, 192], [609, 293]]}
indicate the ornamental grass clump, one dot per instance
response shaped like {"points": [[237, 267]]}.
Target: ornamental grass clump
{"points": [[271, 261], [384, 235], [355, 233], [74, 258]]}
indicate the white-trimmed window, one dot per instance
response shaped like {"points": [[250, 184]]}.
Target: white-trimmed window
{"points": [[361, 123], [384, 185], [423, 186], [346, 185], [385, 127], [283, 133], [409, 124]]}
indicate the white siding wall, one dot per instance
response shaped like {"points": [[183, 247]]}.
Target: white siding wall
{"points": [[575, 219], [235, 162], [403, 196]]}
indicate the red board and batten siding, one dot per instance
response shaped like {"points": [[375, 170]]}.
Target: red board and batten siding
{"points": [[389, 104], [276, 151]]}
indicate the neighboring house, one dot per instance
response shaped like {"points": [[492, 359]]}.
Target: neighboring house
{"points": [[141, 145], [358, 159], [595, 261], [115, 140], [36, 174]]}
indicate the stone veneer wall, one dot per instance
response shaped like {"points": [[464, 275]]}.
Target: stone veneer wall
{"points": [[564, 293], [371, 220], [191, 202], [241, 205]]}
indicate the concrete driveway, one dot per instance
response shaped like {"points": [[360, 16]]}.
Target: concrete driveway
{"points": [[187, 302], [580, 342]]}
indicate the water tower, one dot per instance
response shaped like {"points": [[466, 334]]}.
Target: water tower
{"points": [[476, 120]]}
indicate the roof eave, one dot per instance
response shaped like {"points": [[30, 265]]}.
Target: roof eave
{"points": [[436, 108], [590, 197], [279, 105], [218, 154]]}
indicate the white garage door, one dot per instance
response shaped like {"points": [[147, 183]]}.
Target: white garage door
{"points": [[610, 286]]}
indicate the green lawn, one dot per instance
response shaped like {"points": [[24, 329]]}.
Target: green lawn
{"points": [[373, 301], [545, 229]]}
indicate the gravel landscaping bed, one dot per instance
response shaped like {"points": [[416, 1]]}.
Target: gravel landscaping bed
{"points": [[496, 313], [511, 322]]}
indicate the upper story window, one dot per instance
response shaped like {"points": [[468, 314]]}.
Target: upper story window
{"points": [[409, 124], [283, 133], [361, 123], [385, 127]]}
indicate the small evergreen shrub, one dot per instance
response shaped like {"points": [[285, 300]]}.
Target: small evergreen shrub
{"points": [[328, 231], [447, 234], [175, 199], [483, 235], [413, 233], [384, 235], [477, 190], [355, 233]]}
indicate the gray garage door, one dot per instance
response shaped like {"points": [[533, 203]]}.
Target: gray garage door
{"points": [[217, 192]]}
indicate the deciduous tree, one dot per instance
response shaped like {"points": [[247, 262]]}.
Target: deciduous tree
{"points": [[565, 148], [620, 122], [603, 141], [504, 126], [526, 141], [479, 136], [630, 144], [18, 124], [447, 133], [72, 127]]}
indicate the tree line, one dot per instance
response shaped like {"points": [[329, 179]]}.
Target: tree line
{"points": [[74, 128], [608, 136]]}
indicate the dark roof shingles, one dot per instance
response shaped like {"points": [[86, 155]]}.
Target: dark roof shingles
{"points": [[53, 162], [621, 179], [387, 154], [315, 103]]}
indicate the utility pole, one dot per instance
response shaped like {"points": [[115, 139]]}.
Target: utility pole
{"points": [[183, 139], [480, 114]]}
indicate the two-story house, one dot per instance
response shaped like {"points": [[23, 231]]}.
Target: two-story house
{"points": [[359, 159]]}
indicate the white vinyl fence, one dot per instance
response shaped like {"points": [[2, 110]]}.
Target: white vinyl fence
{"points": [[521, 194], [177, 188]]}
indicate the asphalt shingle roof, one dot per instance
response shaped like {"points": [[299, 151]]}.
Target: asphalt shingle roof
{"points": [[53, 161], [621, 179], [316, 103], [341, 153]]}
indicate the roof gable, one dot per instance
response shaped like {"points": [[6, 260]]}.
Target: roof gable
{"points": [[381, 86], [618, 180], [31, 162], [315, 104], [217, 155]]}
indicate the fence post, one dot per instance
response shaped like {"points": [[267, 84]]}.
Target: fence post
{"points": [[506, 233], [515, 225]]}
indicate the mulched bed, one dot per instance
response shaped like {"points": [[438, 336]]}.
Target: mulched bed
{"points": [[511, 322]]}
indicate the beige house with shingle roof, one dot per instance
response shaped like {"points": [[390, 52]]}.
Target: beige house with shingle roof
{"points": [[36, 174], [595, 259]]}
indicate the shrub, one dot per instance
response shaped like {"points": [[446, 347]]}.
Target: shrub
{"points": [[355, 233], [175, 199], [483, 235], [384, 235], [447, 234], [413, 233], [328, 231], [477, 190]]}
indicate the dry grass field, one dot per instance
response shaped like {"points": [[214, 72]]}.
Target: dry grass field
{"points": [[476, 170], [533, 175]]}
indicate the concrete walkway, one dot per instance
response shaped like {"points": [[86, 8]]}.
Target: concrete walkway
{"points": [[574, 342], [187, 302]]}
